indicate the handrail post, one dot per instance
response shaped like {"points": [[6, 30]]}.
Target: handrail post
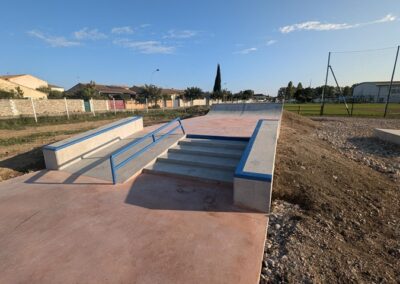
{"points": [[180, 123], [113, 173], [154, 139]]}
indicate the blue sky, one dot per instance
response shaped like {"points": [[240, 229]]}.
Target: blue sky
{"points": [[260, 44]]}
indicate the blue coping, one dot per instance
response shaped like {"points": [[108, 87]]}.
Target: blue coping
{"points": [[56, 148], [239, 172], [214, 137]]}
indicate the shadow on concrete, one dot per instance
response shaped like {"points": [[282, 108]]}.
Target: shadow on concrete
{"points": [[375, 146], [168, 193], [51, 177]]}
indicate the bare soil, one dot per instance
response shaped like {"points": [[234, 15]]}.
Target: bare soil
{"points": [[334, 218]]}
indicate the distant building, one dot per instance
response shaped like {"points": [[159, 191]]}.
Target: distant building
{"points": [[28, 84], [56, 88], [260, 97], [376, 92], [108, 91], [164, 91]]}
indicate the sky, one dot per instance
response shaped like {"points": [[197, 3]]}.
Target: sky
{"points": [[260, 44]]}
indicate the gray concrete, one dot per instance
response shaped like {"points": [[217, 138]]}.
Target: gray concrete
{"points": [[389, 135], [97, 165], [249, 192], [270, 110], [213, 152], [62, 158], [201, 159]]}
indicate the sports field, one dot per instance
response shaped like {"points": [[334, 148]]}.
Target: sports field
{"points": [[335, 109]]}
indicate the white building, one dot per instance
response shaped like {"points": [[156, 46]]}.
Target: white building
{"points": [[376, 92]]}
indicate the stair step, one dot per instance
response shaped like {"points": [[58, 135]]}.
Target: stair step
{"points": [[213, 143], [200, 160], [190, 172], [207, 151]]}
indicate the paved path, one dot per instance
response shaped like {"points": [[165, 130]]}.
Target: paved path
{"points": [[153, 230]]}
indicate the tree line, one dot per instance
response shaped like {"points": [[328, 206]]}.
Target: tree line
{"points": [[301, 94]]}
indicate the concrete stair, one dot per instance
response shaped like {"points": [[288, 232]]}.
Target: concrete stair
{"points": [[200, 159]]}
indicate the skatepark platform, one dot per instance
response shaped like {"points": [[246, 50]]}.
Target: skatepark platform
{"points": [[190, 217], [388, 135]]}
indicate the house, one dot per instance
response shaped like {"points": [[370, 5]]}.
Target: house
{"points": [[9, 86], [56, 88], [164, 91], [108, 91], [28, 84], [376, 92]]}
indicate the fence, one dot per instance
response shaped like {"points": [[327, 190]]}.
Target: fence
{"points": [[339, 109], [10, 108]]}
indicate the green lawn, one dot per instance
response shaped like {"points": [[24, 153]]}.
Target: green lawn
{"points": [[365, 109]]}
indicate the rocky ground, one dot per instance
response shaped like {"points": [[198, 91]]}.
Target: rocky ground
{"points": [[336, 204], [353, 137]]}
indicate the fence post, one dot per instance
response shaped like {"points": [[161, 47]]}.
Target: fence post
{"points": [[298, 111], [34, 110], [66, 107], [115, 111], [352, 106], [147, 106], [92, 107]]}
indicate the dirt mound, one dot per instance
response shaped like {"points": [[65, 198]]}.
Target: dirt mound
{"points": [[333, 219]]}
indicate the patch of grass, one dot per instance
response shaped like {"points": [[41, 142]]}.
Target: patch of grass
{"points": [[332, 109], [156, 114]]}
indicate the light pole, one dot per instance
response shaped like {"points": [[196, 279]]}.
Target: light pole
{"points": [[151, 76]]}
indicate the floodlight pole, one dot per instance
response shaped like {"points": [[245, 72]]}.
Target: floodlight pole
{"points": [[391, 81], [326, 83]]}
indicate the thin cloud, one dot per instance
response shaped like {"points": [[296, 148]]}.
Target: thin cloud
{"points": [[122, 30], [318, 26], [86, 33], [271, 42], [180, 34], [53, 41], [146, 47], [246, 51], [144, 26]]}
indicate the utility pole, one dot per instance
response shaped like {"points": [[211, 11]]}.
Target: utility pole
{"points": [[391, 81], [326, 83]]}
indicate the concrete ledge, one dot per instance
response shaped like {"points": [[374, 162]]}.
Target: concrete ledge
{"points": [[66, 152], [389, 135], [254, 174]]}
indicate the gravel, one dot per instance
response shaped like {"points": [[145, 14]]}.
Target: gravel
{"points": [[353, 137]]}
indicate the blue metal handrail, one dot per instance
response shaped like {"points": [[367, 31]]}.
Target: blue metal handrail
{"points": [[115, 167]]}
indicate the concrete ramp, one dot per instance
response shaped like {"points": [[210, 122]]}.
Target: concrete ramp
{"points": [[271, 110]]}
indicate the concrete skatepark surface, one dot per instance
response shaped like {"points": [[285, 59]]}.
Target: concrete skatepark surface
{"points": [[61, 227], [388, 135]]}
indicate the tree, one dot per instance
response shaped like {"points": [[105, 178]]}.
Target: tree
{"points": [[5, 94], [347, 91], [226, 95], [152, 93], [281, 93], [55, 95], [192, 93], [247, 94], [290, 90], [299, 93], [217, 83], [19, 93]]}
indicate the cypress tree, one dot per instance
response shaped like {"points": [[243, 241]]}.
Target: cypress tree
{"points": [[217, 84]]}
